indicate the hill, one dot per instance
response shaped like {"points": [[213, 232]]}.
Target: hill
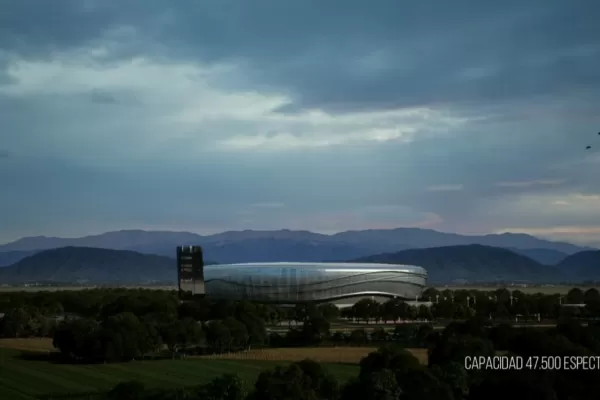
{"points": [[471, 263], [543, 256], [288, 245], [584, 265], [90, 265], [11, 257], [448, 264]]}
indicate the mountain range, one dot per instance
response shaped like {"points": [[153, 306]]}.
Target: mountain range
{"points": [[287, 245], [88, 265], [137, 256], [448, 264], [472, 263]]}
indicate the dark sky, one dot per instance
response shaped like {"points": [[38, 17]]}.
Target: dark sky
{"points": [[464, 116]]}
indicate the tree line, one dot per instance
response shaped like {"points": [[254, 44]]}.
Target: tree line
{"points": [[124, 325], [498, 305], [109, 325], [445, 304], [392, 372]]}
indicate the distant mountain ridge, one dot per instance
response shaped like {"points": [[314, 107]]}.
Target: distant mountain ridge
{"points": [[472, 263], [288, 245], [11, 257], [445, 265], [543, 256], [584, 265], [90, 265]]}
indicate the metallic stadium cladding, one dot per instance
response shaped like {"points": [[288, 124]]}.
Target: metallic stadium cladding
{"points": [[308, 282], [296, 282]]}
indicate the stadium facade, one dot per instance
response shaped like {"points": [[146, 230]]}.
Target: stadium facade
{"points": [[298, 282]]}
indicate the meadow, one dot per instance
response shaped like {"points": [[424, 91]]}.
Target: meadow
{"points": [[343, 355], [25, 376]]}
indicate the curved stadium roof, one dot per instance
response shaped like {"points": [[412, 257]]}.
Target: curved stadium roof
{"points": [[290, 282]]}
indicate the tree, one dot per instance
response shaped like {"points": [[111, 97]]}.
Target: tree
{"points": [[501, 336], [238, 333], [218, 336], [329, 311], [390, 357], [15, 323], [130, 390], [423, 333], [358, 336], [591, 296], [456, 348], [300, 312], [379, 335], [257, 332], [126, 330], [391, 373], [197, 310], [394, 309], [149, 339], [405, 334], [418, 384], [575, 296], [455, 376], [222, 309], [190, 334], [424, 313], [315, 329], [381, 385], [431, 294], [444, 309], [75, 338], [500, 385], [365, 309], [305, 380], [227, 387]]}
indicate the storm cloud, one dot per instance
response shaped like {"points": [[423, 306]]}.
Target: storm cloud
{"points": [[206, 116]]}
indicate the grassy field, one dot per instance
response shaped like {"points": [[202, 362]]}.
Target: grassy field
{"points": [[29, 344], [346, 355], [22, 378]]}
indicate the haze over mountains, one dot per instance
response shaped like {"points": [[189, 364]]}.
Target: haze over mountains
{"points": [[90, 265], [286, 245], [448, 264], [136, 256], [472, 263]]}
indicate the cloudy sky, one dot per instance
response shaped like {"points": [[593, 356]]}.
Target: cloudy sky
{"points": [[463, 116]]}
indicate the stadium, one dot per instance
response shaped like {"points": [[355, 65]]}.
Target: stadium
{"points": [[312, 282], [298, 282]]}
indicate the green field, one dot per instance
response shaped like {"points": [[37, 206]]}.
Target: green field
{"points": [[27, 379]]}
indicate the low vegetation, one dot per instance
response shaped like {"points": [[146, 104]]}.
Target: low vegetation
{"points": [[144, 344], [25, 376]]}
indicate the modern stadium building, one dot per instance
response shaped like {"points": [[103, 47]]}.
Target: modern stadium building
{"points": [[297, 282]]}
